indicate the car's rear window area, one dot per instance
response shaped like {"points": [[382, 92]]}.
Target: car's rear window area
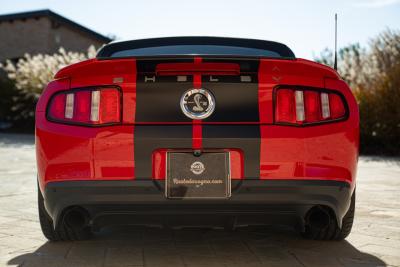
{"points": [[177, 50], [195, 45]]}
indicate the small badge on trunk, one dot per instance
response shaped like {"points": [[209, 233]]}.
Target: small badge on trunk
{"points": [[197, 104], [197, 167]]}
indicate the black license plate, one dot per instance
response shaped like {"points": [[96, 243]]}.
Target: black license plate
{"points": [[204, 176]]}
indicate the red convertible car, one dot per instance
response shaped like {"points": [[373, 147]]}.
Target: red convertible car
{"points": [[196, 131]]}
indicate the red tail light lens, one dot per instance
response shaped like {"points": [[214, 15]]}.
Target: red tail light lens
{"points": [[303, 106], [57, 108], [312, 105], [87, 106], [336, 106], [285, 111], [109, 103], [82, 106]]}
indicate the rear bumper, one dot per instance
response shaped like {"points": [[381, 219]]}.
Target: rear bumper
{"points": [[143, 202]]}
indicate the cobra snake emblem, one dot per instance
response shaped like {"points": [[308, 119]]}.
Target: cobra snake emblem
{"points": [[196, 99]]}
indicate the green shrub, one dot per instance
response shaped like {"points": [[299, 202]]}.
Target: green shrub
{"points": [[373, 73]]}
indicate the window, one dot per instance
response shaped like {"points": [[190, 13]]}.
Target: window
{"points": [[195, 50]]}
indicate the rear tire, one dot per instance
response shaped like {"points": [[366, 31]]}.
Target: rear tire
{"points": [[63, 232], [332, 231]]}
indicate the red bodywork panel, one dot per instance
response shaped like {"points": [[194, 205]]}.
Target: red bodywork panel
{"points": [[325, 152]]}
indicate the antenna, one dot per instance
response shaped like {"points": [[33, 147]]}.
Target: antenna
{"points": [[335, 61]]}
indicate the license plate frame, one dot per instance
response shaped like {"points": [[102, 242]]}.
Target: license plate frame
{"points": [[185, 181]]}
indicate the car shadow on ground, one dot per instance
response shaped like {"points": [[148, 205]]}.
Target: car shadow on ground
{"points": [[395, 160], [16, 140], [149, 246]]}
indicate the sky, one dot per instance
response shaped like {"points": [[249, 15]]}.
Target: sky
{"points": [[307, 26]]}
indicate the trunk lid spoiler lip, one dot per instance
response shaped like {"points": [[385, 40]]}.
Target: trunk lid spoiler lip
{"points": [[172, 57], [284, 51]]}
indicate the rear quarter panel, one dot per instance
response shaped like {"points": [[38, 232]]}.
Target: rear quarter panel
{"points": [[327, 151]]}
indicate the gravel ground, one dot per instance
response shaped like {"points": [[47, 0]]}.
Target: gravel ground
{"points": [[374, 241]]}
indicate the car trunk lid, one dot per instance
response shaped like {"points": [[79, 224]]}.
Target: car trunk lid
{"points": [[161, 83]]}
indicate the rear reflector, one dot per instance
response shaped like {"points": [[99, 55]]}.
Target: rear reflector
{"points": [[92, 106], [303, 106]]}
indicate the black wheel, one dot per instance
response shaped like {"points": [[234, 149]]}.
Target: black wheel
{"points": [[63, 232], [332, 231]]}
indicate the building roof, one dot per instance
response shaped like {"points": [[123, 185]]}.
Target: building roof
{"points": [[55, 16]]}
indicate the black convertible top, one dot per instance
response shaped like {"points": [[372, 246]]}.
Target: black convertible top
{"points": [[196, 45]]}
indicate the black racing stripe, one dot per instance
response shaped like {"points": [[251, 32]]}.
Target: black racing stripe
{"points": [[244, 137], [160, 101], [158, 97], [148, 138], [234, 102]]}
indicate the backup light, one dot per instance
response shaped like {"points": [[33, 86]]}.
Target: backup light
{"points": [[326, 113], [299, 106], [69, 106], [304, 106], [86, 106], [94, 107]]}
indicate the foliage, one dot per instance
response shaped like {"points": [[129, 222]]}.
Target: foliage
{"points": [[26, 81], [374, 76], [7, 94], [32, 73]]}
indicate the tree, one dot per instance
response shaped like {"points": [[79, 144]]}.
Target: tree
{"points": [[373, 73]]}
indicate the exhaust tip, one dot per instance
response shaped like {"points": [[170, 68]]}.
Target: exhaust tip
{"points": [[76, 218], [318, 217]]}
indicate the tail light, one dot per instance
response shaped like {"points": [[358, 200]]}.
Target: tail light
{"points": [[303, 106], [86, 106]]}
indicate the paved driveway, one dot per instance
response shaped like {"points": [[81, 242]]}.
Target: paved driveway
{"points": [[375, 240]]}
